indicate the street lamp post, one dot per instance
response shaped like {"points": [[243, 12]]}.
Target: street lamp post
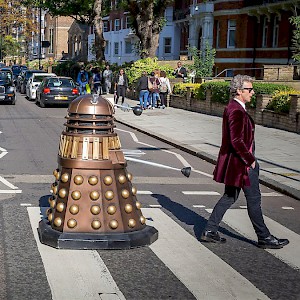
{"points": [[40, 36]]}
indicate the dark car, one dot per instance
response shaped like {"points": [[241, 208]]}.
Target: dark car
{"points": [[16, 70], [24, 78], [56, 90], [7, 88]]}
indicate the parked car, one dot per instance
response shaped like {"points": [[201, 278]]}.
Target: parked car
{"points": [[33, 82], [25, 76], [56, 90], [7, 88]]}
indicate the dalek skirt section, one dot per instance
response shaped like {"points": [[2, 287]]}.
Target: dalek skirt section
{"points": [[93, 203]]}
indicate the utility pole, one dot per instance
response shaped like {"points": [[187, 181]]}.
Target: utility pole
{"points": [[40, 36]]}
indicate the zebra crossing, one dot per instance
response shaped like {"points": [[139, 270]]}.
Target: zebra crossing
{"points": [[82, 274]]}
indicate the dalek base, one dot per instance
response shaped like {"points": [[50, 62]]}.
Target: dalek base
{"points": [[95, 241]]}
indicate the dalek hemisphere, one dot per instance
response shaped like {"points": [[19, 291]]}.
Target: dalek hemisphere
{"points": [[93, 203]]}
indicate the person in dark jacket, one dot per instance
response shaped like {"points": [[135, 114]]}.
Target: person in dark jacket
{"points": [[180, 71], [238, 168], [121, 85], [142, 88]]}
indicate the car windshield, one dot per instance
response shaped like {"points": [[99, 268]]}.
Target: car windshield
{"points": [[57, 82], [5, 77]]}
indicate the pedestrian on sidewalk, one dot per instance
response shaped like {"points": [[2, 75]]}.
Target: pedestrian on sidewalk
{"points": [[164, 89], [238, 168], [142, 88], [82, 80], [121, 85], [97, 81], [107, 78], [153, 84]]}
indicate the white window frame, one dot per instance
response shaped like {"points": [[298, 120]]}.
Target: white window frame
{"points": [[127, 43], [265, 33], [127, 18], [116, 48], [117, 25], [105, 26], [231, 28], [275, 31]]}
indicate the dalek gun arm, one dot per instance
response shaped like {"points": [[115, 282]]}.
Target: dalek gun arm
{"points": [[137, 110]]}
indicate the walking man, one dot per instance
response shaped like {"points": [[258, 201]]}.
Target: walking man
{"points": [[238, 169]]}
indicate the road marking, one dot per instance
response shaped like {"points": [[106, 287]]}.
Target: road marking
{"points": [[133, 152], [208, 193], [74, 274], [199, 206], [10, 191], [155, 205], [238, 220], [144, 193], [287, 207], [271, 194], [25, 204], [243, 206], [8, 184], [200, 270]]}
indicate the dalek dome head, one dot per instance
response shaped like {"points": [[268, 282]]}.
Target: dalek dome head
{"points": [[91, 104], [90, 113]]}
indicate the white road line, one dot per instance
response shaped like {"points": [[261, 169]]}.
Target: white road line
{"points": [[25, 204], [155, 205], [200, 270], [144, 193], [208, 193], [74, 274], [10, 191], [287, 207], [3, 154], [243, 206], [271, 194], [238, 220], [8, 184], [199, 206]]}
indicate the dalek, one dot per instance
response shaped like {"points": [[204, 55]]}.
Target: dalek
{"points": [[93, 203]]}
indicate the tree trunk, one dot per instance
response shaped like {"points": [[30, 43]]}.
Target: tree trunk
{"points": [[99, 38]]}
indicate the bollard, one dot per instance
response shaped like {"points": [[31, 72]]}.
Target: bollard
{"points": [[93, 203]]}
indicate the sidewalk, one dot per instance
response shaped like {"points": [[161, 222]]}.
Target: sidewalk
{"points": [[277, 150]]}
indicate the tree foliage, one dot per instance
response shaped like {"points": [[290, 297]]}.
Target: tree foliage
{"points": [[203, 60], [295, 20], [147, 20]]}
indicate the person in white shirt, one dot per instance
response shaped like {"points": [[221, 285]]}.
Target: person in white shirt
{"points": [[164, 88]]}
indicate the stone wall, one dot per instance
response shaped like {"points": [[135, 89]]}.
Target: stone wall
{"points": [[261, 116]]}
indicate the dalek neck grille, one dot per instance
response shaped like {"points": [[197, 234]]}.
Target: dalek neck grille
{"points": [[90, 115]]}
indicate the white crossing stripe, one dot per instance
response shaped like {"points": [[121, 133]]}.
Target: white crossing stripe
{"points": [[238, 220], [154, 205], [287, 207], [10, 191], [200, 270], [74, 274], [243, 206], [25, 204], [200, 206], [271, 194], [210, 193], [144, 193]]}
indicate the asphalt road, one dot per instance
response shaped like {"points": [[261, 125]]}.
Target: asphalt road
{"points": [[177, 266]]}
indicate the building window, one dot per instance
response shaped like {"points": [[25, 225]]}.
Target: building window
{"points": [[265, 33], [167, 45], [218, 34], [231, 33], [229, 73], [117, 24], [116, 49], [275, 32], [127, 22], [128, 47], [106, 47], [105, 26], [51, 40]]}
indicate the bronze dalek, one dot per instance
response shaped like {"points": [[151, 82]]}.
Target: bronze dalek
{"points": [[93, 203]]}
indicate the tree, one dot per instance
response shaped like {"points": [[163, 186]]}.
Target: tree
{"points": [[203, 60], [295, 20], [147, 20], [83, 11]]}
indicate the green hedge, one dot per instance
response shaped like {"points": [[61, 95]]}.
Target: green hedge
{"points": [[221, 94]]}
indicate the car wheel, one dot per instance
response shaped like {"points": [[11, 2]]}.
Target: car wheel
{"points": [[42, 104]]}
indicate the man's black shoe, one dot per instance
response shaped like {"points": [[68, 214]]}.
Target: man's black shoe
{"points": [[271, 242], [211, 237]]}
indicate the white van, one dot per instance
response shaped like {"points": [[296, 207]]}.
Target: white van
{"points": [[33, 83]]}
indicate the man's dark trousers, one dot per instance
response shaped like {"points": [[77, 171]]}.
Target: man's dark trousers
{"points": [[253, 197]]}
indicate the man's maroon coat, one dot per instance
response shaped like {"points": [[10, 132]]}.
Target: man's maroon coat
{"points": [[235, 156]]}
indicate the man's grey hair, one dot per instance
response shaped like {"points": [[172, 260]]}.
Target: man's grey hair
{"points": [[237, 83]]}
